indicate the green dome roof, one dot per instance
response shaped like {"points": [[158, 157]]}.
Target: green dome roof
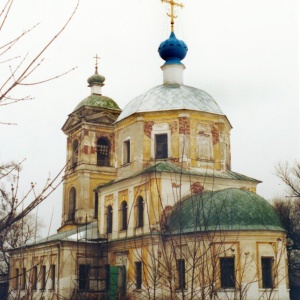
{"points": [[98, 101], [96, 79], [228, 209]]}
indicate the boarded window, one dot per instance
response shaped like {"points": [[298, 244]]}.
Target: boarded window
{"points": [[103, 151], [267, 274], [227, 272], [205, 150], [161, 146]]}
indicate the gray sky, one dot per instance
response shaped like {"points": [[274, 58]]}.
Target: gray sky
{"points": [[243, 53]]}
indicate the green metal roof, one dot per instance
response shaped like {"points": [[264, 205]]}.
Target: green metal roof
{"points": [[228, 209], [167, 167], [98, 101]]}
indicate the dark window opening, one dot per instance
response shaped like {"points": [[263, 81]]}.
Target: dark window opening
{"points": [[96, 204], [227, 272], [23, 279], [72, 204], [34, 278], [17, 279], [75, 154], [181, 273], [138, 275], [140, 212], [52, 274], [161, 146], [83, 280], [109, 219], [43, 277], [124, 215], [267, 275], [103, 150], [126, 152]]}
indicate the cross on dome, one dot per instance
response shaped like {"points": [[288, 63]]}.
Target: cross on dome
{"points": [[96, 64], [172, 15]]}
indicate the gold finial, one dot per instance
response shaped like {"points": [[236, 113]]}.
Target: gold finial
{"points": [[172, 16], [96, 64]]}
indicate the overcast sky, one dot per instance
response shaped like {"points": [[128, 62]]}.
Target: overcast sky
{"points": [[243, 53]]}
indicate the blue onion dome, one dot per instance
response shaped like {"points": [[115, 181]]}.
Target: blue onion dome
{"points": [[96, 79], [172, 50], [228, 209]]}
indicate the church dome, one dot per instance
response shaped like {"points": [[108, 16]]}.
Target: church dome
{"points": [[228, 209], [98, 101], [171, 97], [96, 79], [172, 50]]}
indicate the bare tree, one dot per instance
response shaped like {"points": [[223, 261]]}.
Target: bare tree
{"points": [[22, 67]]}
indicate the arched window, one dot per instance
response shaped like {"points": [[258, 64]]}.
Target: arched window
{"points": [[72, 204], [75, 153], [96, 204], [124, 215], [109, 219], [140, 212], [103, 152]]}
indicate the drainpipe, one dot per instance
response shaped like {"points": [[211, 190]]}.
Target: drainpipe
{"points": [[58, 271]]}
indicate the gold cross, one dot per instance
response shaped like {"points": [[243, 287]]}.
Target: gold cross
{"points": [[97, 58], [172, 16]]}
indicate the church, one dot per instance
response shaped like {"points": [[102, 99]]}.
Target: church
{"points": [[151, 208]]}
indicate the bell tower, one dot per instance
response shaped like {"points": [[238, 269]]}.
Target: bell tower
{"points": [[90, 154]]}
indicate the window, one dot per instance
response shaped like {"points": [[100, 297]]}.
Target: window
{"points": [[83, 279], [161, 146], [227, 272], [96, 204], [43, 277], [109, 219], [181, 273], [75, 153], [138, 275], [267, 274], [23, 286], [17, 279], [126, 152], [140, 212], [52, 274], [34, 278], [103, 152], [205, 151], [72, 204], [124, 215]]}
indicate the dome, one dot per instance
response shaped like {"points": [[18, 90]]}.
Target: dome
{"points": [[98, 101], [228, 209], [172, 50], [96, 79], [171, 97]]}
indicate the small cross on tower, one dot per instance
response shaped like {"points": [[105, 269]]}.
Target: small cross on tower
{"points": [[172, 16], [96, 65]]}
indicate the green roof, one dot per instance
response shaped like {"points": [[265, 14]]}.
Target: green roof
{"points": [[228, 209], [167, 167], [98, 101]]}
